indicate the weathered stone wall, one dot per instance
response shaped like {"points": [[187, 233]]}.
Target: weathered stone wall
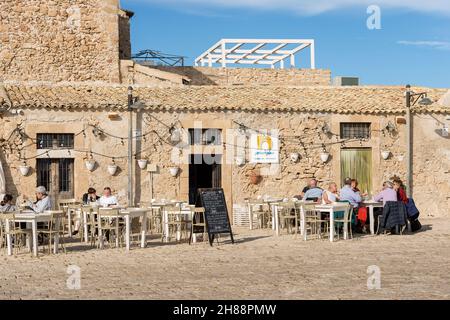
{"points": [[431, 154], [62, 40], [431, 164], [252, 76], [135, 74], [124, 36]]}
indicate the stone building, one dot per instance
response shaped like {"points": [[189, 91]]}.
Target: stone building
{"points": [[65, 70]]}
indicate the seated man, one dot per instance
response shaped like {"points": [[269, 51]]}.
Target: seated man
{"points": [[348, 194], [314, 192], [354, 198], [331, 195], [43, 201], [387, 194], [107, 200]]}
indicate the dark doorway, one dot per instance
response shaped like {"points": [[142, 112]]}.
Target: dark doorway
{"points": [[204, 173]]}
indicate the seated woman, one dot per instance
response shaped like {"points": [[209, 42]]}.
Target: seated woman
{"points": [[7, 204], [91, 196], [400, 189]]}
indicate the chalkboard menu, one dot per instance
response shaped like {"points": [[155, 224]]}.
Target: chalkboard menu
{"points": [[216, 213]]}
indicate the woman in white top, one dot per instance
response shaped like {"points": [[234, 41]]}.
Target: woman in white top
{"points": [[107, 200], [331, 195]]}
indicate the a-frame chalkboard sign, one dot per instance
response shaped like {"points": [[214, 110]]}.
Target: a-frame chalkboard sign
{"points": [[216, 212]]}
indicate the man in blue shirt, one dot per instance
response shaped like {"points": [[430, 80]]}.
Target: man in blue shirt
{"points": [[347, 194], [314, 192]]}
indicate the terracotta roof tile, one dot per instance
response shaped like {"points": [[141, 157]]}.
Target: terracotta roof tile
{"points": [[369, 100]]}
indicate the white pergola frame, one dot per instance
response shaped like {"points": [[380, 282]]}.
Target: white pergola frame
{"points": [[228, 51]]}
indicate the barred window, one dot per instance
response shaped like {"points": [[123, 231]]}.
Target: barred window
{"points": [[355, 130], [55, 140]]}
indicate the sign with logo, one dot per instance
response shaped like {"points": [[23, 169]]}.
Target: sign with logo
{"points": [[264, 148]]}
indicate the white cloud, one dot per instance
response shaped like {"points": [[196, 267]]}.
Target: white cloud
{"points": [[309, 7], [440, 45]]}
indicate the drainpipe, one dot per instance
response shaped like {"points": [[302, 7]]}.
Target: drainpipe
{"points": [[409, 147], [130, 147]]}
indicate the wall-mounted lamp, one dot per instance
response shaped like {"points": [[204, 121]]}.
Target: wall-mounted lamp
{"points": [[112, 168], [142, 163], [385, 154], [325, 155], [90, 164], [174, 171], [24, 169], [294, 157], [390, 127], [240, 161], [175, 135], [326, 128], [444, 131]]}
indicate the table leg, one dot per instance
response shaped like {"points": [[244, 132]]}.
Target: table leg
{"points": [[303, 222], [100, 232], [144, 230], [55, 244], [85, 227], [8, 238], [166, 226], [276, 220], [250, 216], [346, 214], [178, 236], [127, 232], [274, 217], [331, 225], [35, 237], [372, 221]]}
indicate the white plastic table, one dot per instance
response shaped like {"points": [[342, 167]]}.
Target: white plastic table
{"points": [[273, 210], [331, 209], [165, 218], [372, 204], [276, 216], [128, 214], [33, 219]]}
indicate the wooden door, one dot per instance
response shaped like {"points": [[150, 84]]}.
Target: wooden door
{"points": [[57, 176], [357, 164]]}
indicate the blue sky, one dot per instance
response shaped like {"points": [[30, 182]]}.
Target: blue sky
{"points": [[412, 46]]}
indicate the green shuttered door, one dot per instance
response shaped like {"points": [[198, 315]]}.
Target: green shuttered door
{"points": [[357, 163]]}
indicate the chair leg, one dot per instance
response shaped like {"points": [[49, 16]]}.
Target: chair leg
{"points": [[378, 224]]}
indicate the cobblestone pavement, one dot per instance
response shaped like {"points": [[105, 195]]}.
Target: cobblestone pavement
{"points": [[258, 266]]}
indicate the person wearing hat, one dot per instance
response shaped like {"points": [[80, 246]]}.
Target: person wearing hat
{"points": [[43, 201]]}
